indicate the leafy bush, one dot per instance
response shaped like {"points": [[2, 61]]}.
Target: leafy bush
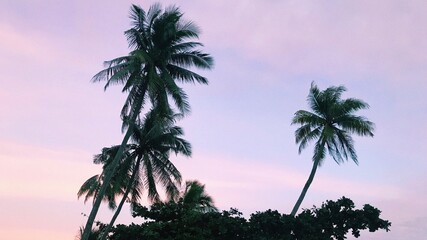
{"points": [[173, 221]]}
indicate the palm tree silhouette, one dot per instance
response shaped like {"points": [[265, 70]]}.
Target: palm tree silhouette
{"points": [[330, 124], [194, 197], [162, 54], [145, 163]]}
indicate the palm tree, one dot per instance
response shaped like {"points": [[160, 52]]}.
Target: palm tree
{"points": [[330, 124], [152, 143], [162, 53], [195, 198], [146, 163]]}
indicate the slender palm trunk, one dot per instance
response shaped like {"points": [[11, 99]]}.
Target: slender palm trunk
{"points": [[112, 168], [304, 190], [119, 207]]}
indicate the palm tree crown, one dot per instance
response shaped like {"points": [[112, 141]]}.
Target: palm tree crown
{"points": [[145, 163], [331, 123], [195, 197], [162, 52], [151, 144]]}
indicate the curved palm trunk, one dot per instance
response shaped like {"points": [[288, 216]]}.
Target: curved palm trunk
{"points": [[119, 207], [304, 190], [111, 170]]}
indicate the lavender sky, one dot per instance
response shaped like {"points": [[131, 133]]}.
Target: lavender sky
{"points": [[53, 120]]}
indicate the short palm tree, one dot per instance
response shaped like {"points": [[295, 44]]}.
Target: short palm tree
{"points": [[162, 55], [194, 197], [151, 144], [145, 164], [330, 125]]}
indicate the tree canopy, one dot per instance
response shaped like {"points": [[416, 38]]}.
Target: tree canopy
{"points": [[173, 221]]}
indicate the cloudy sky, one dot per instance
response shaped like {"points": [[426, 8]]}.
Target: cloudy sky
{"points": [[53, 119]]}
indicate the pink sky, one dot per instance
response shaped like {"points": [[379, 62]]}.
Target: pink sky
{"points": [[266, 55]]}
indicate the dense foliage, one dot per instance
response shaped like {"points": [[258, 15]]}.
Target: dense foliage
{"points": [[333, 220]]}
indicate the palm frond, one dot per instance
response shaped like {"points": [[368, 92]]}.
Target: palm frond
{"points": [[356, 124], [185, 75], [186, 30], [306, 117], [89, 187], [351, 105], [149, 180], [335, 150], [306, 134], [319, 151], [192, 59], [347, 144], [137, 16], [184, 46], [178, 95]]}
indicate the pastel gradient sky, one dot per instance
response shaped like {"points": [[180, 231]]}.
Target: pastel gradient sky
{"points": [[53, 120]]}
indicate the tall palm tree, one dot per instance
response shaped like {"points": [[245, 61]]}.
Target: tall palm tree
{"points": [[330, 125], [162, 53]]}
